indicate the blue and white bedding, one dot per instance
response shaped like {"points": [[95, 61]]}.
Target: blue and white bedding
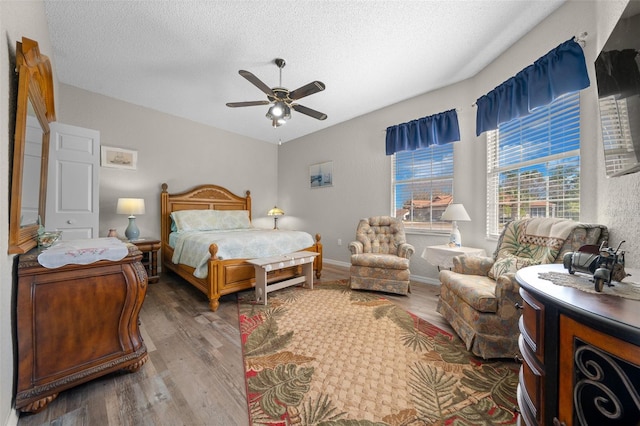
{"points": [[191, 248]]}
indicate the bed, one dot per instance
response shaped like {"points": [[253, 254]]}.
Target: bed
{"points": [[223, 275]]}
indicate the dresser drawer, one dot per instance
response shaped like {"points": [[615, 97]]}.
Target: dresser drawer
{"points": [[532, 324], [532, 385], [528, 402]]}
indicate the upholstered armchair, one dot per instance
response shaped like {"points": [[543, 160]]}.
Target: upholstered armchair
{"points": [[380, 256], [478, 297]]}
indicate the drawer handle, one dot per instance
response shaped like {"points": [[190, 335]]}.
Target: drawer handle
{"points": [[516, 409], [519, 306], [557, 422], [518, 358]]}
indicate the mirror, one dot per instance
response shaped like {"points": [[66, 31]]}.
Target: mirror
{"points": [[34, 111], [618, 77]]}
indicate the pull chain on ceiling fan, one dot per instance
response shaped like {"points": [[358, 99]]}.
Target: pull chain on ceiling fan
{"points": [[282, 100]]}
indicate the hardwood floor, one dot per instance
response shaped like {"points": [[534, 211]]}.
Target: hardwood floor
{"points": [[194, 375]]}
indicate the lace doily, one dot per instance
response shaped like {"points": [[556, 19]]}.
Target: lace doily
{"points": [[625, 289]]}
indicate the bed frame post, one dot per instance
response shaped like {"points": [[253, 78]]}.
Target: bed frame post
{"points": [[165, 224], [317, 262]]}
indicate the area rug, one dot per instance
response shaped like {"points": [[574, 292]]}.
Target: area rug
{"points": [[333, 356]]}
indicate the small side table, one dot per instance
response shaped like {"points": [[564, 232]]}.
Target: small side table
{"points": [[442, 256], [149, 248]]}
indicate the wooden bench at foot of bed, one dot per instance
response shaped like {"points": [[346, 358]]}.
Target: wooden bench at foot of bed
{"points": [[224, 276]]}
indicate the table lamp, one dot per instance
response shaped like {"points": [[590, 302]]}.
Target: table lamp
{"points": [[454, 213], [131, 207], [275, 212]]}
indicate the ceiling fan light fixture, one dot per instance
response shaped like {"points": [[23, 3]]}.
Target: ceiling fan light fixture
{"points": [[278, 122], [286, 112], [279, 112], [277, 109]]}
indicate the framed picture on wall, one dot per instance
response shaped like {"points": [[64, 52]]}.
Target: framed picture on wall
{"points": [[321, 175], [118, 158]]}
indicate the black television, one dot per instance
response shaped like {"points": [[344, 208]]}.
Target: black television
{"points": [[618, 78]]}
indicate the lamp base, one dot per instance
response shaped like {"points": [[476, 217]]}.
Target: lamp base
{"points": [[275, 222], [455, 238], [132, 232]]}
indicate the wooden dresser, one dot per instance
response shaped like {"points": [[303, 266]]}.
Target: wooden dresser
{"points": [[581, 354], [76, 323]]}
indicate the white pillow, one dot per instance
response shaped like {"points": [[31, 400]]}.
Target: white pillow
{"points": [[210, 220], [233, 219]]}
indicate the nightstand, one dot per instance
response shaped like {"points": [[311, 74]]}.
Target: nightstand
{"points": [[442, 256], [149, 248]]}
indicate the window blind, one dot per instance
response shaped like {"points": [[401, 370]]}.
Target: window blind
{"points": [[616, 135], [533, 165], [422, 185]]}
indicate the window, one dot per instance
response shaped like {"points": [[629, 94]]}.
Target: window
{"points": [[423, 186], [533, 165]]}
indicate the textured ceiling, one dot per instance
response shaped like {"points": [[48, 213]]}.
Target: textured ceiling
{"points": [[183, 57]]}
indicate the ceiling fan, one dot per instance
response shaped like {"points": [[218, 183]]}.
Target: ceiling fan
{"points": [[282, 100]]}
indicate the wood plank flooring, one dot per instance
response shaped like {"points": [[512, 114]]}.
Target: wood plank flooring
{"points": [[194, 375]]}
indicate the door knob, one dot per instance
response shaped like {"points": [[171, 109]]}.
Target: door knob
{"points": [[71, 221]]}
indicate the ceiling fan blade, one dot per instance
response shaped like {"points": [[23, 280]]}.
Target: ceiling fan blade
{"points": [[310, 112], [306, 90], [245, 104], [256, 82]]}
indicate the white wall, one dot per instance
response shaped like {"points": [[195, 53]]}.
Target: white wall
{"points": [[173, 150], [17, 20], [362, 171]]}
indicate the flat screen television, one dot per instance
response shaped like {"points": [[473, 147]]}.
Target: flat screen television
{"points": [[618, 78]]}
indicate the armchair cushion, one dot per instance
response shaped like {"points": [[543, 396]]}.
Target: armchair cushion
{"points": [[510, 264], [472, 265], [374, 260], [380, 234], [478, 292]]}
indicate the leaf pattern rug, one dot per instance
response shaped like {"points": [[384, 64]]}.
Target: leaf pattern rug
{"points": [[333, 356]]}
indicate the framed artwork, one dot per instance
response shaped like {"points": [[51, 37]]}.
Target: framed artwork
{"points": [[118, 158], [321, 175]]}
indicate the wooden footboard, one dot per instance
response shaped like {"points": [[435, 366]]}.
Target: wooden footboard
{"points": [[224, 276]]}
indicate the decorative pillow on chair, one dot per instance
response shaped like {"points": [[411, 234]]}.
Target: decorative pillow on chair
{"points": [[510, 264]]}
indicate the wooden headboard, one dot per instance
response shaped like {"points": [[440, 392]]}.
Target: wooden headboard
{"points": [[203, 197]]}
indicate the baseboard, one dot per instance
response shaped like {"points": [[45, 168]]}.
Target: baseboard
{"points": [[417, 278], [336, 263]]}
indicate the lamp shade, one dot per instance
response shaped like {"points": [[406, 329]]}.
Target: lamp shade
{"points": [[455, 212], [275, 211], [130, 206]]}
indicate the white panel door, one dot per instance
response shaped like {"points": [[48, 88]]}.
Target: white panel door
{"points": [[73, 182]]}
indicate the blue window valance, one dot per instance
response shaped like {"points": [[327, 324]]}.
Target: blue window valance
{"points": [[435, 129], [560, 71]]}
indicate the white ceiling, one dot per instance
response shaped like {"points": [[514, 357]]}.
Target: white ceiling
{"points": [[183, 57]]}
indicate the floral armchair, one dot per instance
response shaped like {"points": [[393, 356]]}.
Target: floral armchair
{"points": [[380, 256], [478, 297]]}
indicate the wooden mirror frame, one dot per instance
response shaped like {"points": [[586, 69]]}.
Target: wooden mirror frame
{"points": [[35, 86]]}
